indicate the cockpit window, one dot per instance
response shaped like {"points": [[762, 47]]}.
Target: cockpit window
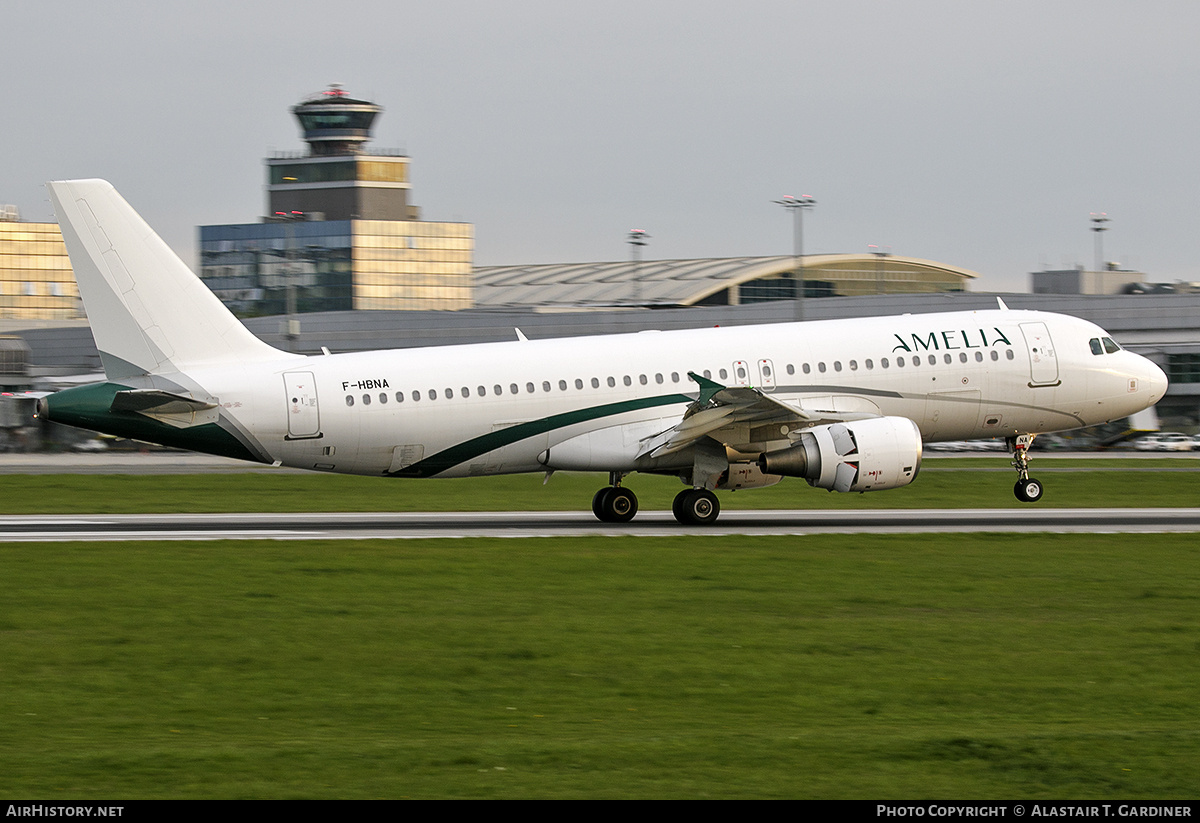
{"points": [[1103, 345]]}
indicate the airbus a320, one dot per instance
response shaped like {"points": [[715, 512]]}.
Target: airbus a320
{"points": [[844, 404]]}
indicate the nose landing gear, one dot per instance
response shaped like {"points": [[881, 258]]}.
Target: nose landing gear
{"points": [[1027, 490]]}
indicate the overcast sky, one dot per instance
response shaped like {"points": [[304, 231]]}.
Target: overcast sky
{"points": [[977, 134]]}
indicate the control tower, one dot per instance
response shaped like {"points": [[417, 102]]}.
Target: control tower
{"points": [[339, 232], [339, 178]]}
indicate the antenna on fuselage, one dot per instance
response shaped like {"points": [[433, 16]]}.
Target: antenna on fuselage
{"points": [[1001, 303]]}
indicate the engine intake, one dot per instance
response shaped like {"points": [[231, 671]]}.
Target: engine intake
{"points": [[859, 456]]}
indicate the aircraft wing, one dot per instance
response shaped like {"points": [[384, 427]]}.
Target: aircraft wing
{"points": [[724, 412]]}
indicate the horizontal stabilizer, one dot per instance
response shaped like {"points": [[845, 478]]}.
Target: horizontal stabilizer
{"points": [[157, 401]]}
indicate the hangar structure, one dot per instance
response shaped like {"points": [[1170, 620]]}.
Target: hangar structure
{"points": [[730, 281]]}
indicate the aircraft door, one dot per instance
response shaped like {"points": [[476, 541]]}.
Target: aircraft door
{"points": [[741, 373], [304, 418], [1043, 363], [766, 375]]}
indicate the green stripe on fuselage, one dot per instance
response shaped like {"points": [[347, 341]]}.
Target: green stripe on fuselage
{"points": [[89, 407], [470, 449]]}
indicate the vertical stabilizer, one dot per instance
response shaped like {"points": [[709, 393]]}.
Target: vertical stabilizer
{"points": [[148, 312]]}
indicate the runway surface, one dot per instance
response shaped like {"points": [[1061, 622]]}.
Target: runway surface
{"points": [[421, 525]]}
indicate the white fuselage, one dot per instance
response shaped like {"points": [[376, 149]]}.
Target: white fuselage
{"points": [[503, 407]]}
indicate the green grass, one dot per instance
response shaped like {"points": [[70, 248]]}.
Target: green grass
{"points": [[936, 487], [935, 666]]}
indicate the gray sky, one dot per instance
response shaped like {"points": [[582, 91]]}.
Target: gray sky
{"points": [[977, 134]]}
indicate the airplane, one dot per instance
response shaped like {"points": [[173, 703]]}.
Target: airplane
{"points": [[844, 404]]}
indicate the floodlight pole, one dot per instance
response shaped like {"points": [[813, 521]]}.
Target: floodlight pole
{"points": [[797, 205], [636, 239], [1098, 221]]}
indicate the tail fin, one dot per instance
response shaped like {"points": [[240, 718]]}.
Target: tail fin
{"points": [[149, 313]]}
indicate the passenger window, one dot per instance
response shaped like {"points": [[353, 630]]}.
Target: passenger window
{"points": [[807, 369], [366, 399], [837, 365], [853, 365], [383, 397], [399, 397], [433, 394], [821, 367], [529, 388], [449, 393], [658, 378], [870, 364], [627, 380], [416, 395], [978, 357], [578, 383], [674, 377], [883, 362], [995, 354], [962, 357], [546, 385], [1009, 354], [791, 369], [948, 358], [595, 382], [349, 400], [642, 379], [513, 388], [932, 360]]}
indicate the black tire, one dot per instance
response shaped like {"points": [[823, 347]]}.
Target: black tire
{"points": [[620, 505], [614, 504], [600, 503], [1029, 491], [696, 507], [677, 505]]}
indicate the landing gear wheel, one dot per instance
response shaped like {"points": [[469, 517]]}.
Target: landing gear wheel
{"points": [[696, 507], [1028, 490], [599, 500], [614, 504]]}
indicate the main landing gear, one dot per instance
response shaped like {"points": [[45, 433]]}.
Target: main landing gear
{"points": [[1027, 489], [696, 507], [617, 504], [614, 504]]}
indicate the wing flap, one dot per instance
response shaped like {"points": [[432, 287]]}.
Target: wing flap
{"points": [[720, 412]]}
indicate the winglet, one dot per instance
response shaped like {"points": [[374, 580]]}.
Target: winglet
{"points": [[708, 388]]}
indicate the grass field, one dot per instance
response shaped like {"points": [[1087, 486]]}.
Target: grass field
{"points": [[943, 483], [949, 666], [844, 666]]}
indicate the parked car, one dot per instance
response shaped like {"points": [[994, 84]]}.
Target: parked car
{"points": [[1165, 442]]}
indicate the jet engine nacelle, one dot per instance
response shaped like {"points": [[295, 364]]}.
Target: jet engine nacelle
{"points": [[857, 456]]}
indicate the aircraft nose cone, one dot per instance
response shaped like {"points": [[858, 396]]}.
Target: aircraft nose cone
{"points": [[1155, 381]]}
